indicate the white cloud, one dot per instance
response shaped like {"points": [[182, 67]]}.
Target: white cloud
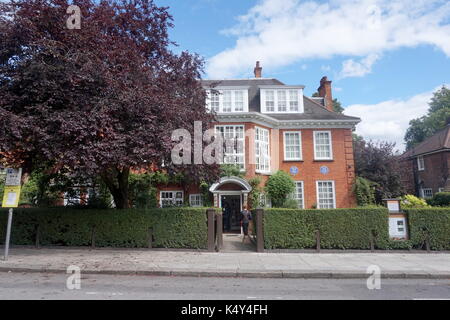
{"points": [[280, 32], [351, 68], [389, 120]]}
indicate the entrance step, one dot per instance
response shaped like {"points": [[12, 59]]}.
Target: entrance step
{"points": [[232, 242]]}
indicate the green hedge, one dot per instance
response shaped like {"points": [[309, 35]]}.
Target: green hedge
{"points": [[339, 228], [432, 222], [172, 227]]}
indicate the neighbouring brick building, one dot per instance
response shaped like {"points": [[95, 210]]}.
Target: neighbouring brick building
{"points": [[276, 128], [429, 164]]}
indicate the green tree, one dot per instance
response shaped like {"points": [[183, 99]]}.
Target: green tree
{"points": [[435, 120], [364, 191], [255, 194], [231, 170], [279, 187], [379, 163]]}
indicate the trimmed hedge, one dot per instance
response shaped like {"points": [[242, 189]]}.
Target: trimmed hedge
{"points": [[339, 228], [172, 227], [432, 222]]}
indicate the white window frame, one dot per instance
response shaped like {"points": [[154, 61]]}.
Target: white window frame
{"points": [[71, 201], [235, 154], [424, 191], [395, 226], [233, 97], [441, 190], [294, 195], [261, 145], [264, 200], [421, 163], [196, 200], [317, 193], [174, 197], [330, 144], [286, 158], [287, 100]]}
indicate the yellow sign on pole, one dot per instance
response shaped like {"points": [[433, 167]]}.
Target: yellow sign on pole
{"points": [[11, 197]]}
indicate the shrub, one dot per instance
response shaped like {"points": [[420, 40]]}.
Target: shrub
{"points": [[279, 186], [410, 201], [364, 191], [339, 228], [231, 170], [441, 199], [255, 194], [290, 204], [430, 222], [172, 228]]}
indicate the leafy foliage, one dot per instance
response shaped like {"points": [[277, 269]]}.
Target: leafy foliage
{"points": [[290, 204], [102, 100], [435, 120], [364, 191], [255, 195], [410, 201], [278, 187], [433, 223], [379, 163], [172, 228], [143, 191], [231, 170], [339, 228], [440, 199]]}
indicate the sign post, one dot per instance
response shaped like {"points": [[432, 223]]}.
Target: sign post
{"points": [[11, 200]]}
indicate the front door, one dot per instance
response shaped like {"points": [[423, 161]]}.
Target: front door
{"points": [[231, 205]]}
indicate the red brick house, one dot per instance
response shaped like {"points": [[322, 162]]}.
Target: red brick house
{"points": [[276, 127], [429, 164]]}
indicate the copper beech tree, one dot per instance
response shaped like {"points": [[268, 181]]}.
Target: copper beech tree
{"points": [[101, 100]]}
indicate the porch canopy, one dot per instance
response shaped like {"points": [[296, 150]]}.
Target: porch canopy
{"points": [[231, 184]]}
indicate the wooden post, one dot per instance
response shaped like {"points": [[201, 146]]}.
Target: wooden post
{"points": [[318, 241], [150, 238], [427, 242], [259, 230], [372, 243], [219, 230], [93, 237], [37, 237], [211, 236]]}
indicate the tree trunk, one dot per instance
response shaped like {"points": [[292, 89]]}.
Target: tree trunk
{"points": [[117, 182]]}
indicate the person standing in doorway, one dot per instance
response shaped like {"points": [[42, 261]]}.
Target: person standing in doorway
{"points": [[246, 216]]}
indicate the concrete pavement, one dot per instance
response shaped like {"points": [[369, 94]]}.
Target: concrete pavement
{"points": [[228, 264]]}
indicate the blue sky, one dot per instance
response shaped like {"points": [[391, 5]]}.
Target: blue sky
{"points": [[385, 57]]}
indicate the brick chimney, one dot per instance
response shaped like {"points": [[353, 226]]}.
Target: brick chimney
{"points": [[325, 92], [258, 70]]}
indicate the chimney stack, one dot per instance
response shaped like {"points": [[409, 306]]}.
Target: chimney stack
{"points": [[325, 92], [258, 70]]}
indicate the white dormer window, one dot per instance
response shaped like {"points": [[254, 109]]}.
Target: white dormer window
{"points": [[281, 100], [293, 100], [270, 101], [227, 100], [282, 105]]}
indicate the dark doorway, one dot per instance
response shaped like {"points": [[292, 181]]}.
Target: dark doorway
{"points": [[231, 205]]}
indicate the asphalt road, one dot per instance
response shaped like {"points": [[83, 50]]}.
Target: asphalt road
{"points": [[53, 287]]}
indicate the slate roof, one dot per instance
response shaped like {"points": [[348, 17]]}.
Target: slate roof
{"points": [[314, 108], [437, 142]]}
